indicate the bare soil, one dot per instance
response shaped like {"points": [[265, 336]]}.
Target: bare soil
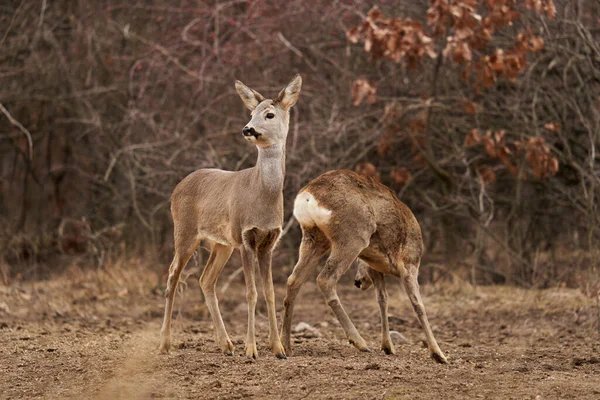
{"points": [[95, 335]]}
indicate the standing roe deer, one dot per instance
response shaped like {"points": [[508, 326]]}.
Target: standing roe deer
{"points": [[242, 210], [356, 217]]}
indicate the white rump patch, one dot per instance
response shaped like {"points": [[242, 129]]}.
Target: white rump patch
{"points": [[308, 212]]}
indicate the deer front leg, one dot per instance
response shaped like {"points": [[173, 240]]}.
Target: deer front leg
{"points": [[382, 298], [264, 264], [337, 264], [248, 267]]}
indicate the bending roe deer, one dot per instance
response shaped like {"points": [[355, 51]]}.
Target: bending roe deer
{"points": [[242, 210], [356, 217]]}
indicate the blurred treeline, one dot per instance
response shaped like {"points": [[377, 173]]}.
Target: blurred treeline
{"points": [[485, 118]]}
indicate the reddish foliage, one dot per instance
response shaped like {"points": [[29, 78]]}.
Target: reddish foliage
{"points": [[552, 126], [472, 138], [385, 142], [539, 158], [363, 90], [470, 108], [369, 170], [400, 176], [537, 152], [542, 6], [399, 39], [495, 146], [405, 39], [485, 174]]}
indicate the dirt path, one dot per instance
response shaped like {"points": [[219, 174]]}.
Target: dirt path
{"points": [[502, 343]]}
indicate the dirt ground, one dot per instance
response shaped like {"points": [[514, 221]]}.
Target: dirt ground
{"points": [[94, 335]]}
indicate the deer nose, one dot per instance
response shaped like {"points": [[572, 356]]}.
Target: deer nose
{"points": [[248, 131]]}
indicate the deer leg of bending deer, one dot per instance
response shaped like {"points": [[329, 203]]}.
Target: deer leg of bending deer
{"points": [[248, 267], [183, 252], [312, 248], [337, 264], [208, 281], [265, 255], [411, 285], [382, 299]]}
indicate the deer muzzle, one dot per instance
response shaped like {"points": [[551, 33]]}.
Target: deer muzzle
{"points": [[247, 132]]}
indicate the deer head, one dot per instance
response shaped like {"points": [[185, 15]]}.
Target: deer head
{"points": [[270, 118], [362, 280]]}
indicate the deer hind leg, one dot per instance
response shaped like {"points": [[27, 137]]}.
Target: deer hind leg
{"points": [[185, 245], [411, 286], [313, 246], [219, 256], [265, 255], [382, 299], [337, 264]]}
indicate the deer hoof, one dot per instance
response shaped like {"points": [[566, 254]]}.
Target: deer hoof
{"points": [[164, 347], [228, 348], [439, 358], [360, 345], [251, 352], [389, 350]]}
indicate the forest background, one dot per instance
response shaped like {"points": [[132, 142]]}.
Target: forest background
{"points": [[483, 116]]}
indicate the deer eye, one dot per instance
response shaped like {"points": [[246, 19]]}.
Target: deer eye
{"points": [[270, 115]]}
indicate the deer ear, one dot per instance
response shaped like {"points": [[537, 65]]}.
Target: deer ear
{"points": [[250, 97], [289, 94]]}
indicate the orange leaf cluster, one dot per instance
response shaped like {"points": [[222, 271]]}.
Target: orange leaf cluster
{"points": [[495, 146], [367, 169], [546, 6], [536, 151], [470, 32], [384, 144], [552, 126], [400, 176], [363, 90], [470, 108], [486, 174], [539, 158], [395, 38], [509, 64], [468, 36]]}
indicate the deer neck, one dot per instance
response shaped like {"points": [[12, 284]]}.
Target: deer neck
{"points": [[270, 167]]}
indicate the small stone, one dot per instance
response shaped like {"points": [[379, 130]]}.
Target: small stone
{"points": [[372, 366], [398, 338], [306, 331]]}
